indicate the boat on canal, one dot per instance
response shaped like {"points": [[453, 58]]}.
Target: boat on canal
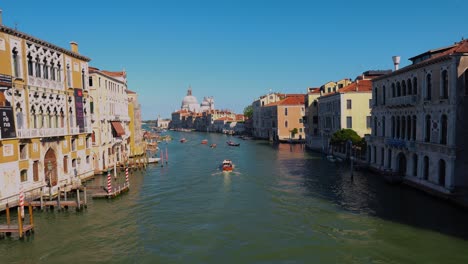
{"points": [[204, 142], [232, 143], [227, 165], [183, 140], [213, 145]]}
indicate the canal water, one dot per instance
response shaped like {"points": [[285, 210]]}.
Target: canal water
{"points": [[282, 204]]}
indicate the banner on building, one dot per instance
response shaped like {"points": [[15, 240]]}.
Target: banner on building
{"points": [[79, 109], [7, 122]]}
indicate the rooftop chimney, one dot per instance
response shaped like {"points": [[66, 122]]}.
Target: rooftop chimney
{"points": [[1, 17], [74, 46], [396, 62]]}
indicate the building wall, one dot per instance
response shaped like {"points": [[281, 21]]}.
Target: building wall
{"points": [[294, 119], [360, 110]]}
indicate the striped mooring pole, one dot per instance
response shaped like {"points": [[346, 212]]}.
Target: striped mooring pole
{"points": [[126, 174], [109, 182], [21, 201]]}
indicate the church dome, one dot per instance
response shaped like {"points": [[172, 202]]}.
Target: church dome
{"points": [[189, 100]]}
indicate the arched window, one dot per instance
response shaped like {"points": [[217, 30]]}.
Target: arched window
{"points": [[426, 168], [383, 95], [398, 89], [52, 71], [383, 126], [393, 127], [415, 85], [415, 165], [24, 175], [429, 87], [403, 88], [375, 126], [286, 123], [410, 88], [393, 90], [46, 69], [30, 65], [38, 67], [83, 82], [65, 164], [443, 128], [414, 127], [427, 135], [69, 83], [408, 128], [285, 111], [16, 63], [19, 116], [36, 171], [397, 127], [442, 172], [403, 127], [444, 85], [59, 72]]}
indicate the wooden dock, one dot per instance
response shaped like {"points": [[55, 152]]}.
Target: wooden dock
{"points": [[100, 192], [21, 228]]}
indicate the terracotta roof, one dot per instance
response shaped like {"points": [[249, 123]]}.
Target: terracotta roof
{"points": [[316, 91], [359, 86], [291, 100], [115, 74], [130, 92], [225, 118]]}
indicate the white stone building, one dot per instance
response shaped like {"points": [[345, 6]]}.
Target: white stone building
{"points": [[419, 126]]}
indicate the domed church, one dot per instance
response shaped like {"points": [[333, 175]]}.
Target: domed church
{"points": [[190, 103]]}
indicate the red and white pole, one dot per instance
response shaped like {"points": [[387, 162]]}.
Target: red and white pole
{"points": [[21, 201], [126, 175], [109, 182]]}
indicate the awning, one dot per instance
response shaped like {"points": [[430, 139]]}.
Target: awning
{"points": [[118, 129]]}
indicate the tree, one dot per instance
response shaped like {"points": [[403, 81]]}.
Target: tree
{"points": [[293, 132], [248, 111], [343, 135]]}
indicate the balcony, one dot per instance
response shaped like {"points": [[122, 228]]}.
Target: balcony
{"points": [[42, 132], [402, 101], [74, 130]]}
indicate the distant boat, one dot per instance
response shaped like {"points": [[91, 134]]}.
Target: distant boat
{"points": [[232, 144], [227, 165], [213, 145], [183, 140], [205, 141]]}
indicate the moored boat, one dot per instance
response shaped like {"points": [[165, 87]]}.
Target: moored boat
{"points": [[227, 165], [233, 144], [205, 141]]}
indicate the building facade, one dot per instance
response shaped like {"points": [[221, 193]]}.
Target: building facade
{"points": [[419, 121], [110, 135], [45, 133], [137, 146]]}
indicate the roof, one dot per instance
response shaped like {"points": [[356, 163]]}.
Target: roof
{"points": [[438, 55], [115, 74], [290, 100], [358, 86], [130, 92], [27, 37], [224, 118]]}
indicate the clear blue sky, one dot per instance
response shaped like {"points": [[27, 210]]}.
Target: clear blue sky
{"points": [[238, 50]]}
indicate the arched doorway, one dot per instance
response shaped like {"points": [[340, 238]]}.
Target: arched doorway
{"points": [[442, 172], [401, 164], [50, 167]]}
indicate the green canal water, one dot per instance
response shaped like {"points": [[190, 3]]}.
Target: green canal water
{"points": [[282, 204]]}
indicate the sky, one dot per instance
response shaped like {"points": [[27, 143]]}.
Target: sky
{"points": [[238, 50]]}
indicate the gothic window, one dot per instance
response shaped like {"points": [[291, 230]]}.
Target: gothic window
{"points": [[426, 168], [38, 67], [428, 87], [408, 128], [415, 85], [19, 116], [30, 65], [414, 127], [398, 85], [403, 88], [383, 126], [427, 136], [83, 79], [403, 127], [16, 63], [409, 87], [59, 72], [393, 127], [397, 127], [383, 95], [445, 85], [415, 165], [52, 71], [443, 132], [393, 90], [69, 76], [442, 172], [46, 69]]}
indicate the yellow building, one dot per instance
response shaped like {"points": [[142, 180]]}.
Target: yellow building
{"points": [[45, 128], [137, 145]]}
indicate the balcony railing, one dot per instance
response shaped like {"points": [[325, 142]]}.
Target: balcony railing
{"points": [[402, 101], [41, 132], [74, 130]]}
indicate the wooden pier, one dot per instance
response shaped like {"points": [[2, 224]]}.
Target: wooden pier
{"points": [[100, 192], [21, 228]]}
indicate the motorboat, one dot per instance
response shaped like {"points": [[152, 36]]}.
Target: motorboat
{"points": [[232, 144], [213, 145], [205, 141], [227, 165], [183, 140]]}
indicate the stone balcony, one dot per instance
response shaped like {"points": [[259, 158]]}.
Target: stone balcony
{"points": [[402, 101], [41, 132], [74, 130]]}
